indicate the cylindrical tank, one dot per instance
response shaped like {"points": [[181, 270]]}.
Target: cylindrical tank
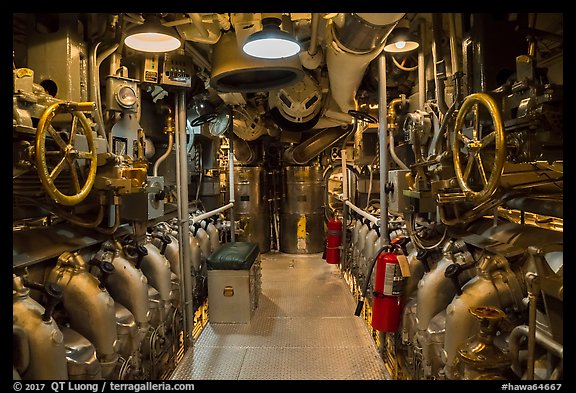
{"points": [[251, 206], [302, 211], [210, 192]]}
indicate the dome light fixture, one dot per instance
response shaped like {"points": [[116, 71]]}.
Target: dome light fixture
{"points": [[271, 42], [152, 36], [401, 40]]}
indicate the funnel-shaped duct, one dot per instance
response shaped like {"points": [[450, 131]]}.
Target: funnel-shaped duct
{"points": [[235, 71]]}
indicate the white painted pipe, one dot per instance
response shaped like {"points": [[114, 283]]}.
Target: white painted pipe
{"points": [[364, 214]]}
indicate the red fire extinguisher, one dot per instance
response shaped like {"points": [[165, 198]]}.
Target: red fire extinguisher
{"points": [[333, 241], [388, 285]]}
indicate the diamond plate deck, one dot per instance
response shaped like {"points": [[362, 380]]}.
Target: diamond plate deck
{"points": [[303, 329]]}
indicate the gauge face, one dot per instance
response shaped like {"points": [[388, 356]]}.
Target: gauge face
{"points": [[126, 96], [219, 125]]}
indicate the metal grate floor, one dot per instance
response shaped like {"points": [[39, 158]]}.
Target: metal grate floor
{"points": [[303, 329]]}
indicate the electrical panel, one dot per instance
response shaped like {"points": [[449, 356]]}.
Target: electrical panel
{"points": [[177, 70]]}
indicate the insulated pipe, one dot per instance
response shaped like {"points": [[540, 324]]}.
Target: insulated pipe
{"points": [[422, 65], [313, 48], [183, 218], [453, 44], [197, 21], [231, 187], [368, 216], [382, 129], [344, 175], [345, 207], [439, 66], [354, 40], [203, 216]]}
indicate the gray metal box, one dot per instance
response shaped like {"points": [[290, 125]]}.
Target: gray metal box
{"points": [[398, 203], [233, 294], [144, 206]]}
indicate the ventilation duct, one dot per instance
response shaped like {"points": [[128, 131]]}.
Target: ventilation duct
{"points": [[235, 72]]}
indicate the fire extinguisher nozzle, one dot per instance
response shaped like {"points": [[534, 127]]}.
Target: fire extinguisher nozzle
{"points": [[359, 308]]}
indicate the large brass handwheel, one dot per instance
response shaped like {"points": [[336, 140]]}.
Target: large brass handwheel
{"points": [[485, 150], [51, 163]]}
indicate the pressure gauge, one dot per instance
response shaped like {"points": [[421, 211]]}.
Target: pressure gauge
{"points": [[219, 125], [126, 96], [122, 94]]}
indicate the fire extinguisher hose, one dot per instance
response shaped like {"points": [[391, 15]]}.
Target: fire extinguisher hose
{"points": [[360, 304]]}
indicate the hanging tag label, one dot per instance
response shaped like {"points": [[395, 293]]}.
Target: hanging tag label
{"points": [[404, 266]]}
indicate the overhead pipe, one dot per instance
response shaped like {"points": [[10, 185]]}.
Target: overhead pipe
{"points": [[314, 145], [354, 40]]}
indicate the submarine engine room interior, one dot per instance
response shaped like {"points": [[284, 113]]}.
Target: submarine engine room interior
{"points": [[287, 196]]}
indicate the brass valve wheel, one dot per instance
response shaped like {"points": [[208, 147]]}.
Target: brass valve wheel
{"points": [[51, 163], [487, 178]]}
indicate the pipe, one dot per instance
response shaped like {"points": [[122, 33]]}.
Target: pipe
{"points": [[382, 129], [422, 65], [361, 212], [231, 185], [457, 75], [68, 216], [163, 156], [94, 90], [344, 176], [183, 218], [197, 21], [395, 157], [197, 56], [345, 207], [453, 44], [205, 215], [439, 65], [352, 43], [111, 230], [542, 338], [531, 281], [340, 116], [396, 102], [313, 48], [201, 159]]}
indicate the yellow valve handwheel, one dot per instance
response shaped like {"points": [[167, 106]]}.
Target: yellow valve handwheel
{"points": [[487, 182], [51, 163]]}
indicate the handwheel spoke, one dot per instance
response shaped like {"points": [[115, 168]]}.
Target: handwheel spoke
{"points": [[488, 139], [57, 169], [468, 167], [481, 169], [74, 176], [57, 138], [476, 122], [463, 138], [73, 129], [55, 153]]}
